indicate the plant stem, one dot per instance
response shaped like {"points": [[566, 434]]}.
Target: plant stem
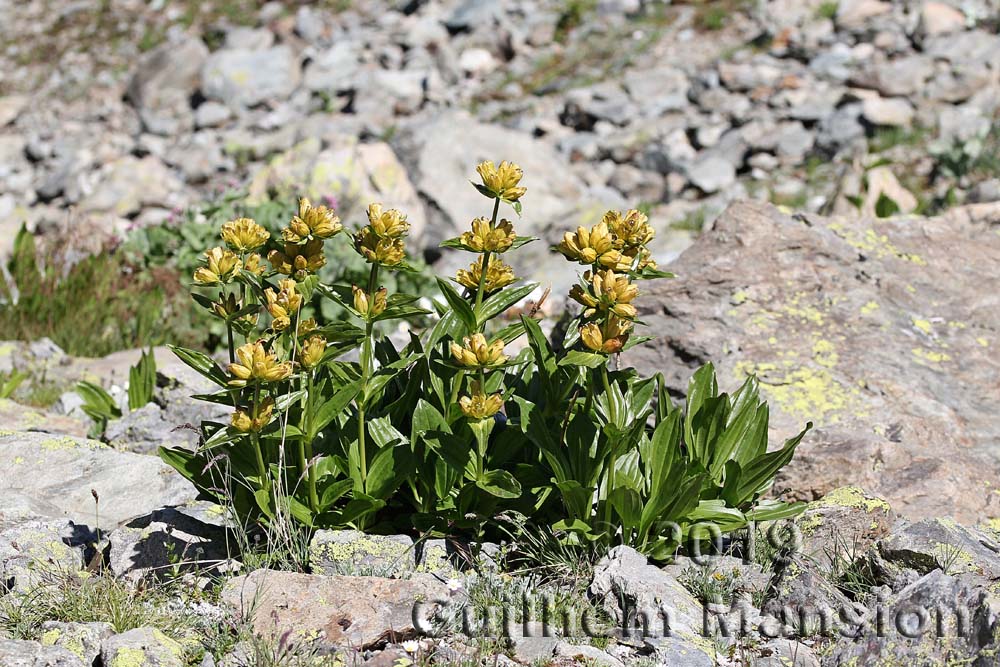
{"points": [[367, 368], [480, 293]]}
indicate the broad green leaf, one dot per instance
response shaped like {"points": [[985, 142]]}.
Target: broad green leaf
{"points": [[202, 363], [500, 483], [501, 301], [459, 306]]}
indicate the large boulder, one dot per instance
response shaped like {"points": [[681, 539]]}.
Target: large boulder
{"points": [[880, 332], [68, 472]]}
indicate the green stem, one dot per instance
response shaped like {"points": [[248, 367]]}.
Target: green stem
{"points": [[609, 483], [307, 448], [481, 292], [367, 369]]}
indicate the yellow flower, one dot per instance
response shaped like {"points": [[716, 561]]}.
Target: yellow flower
{"points": [[312, 351], [298, 260], [378, 250], [607, 338], [608, 292], [369, 307], [257, 365], [244, 423], [284, 304], [390, 224], [312, 222], [484, 239], [501, 182], [592, 246], [476, 353], [630, 230], [244, 235], [222, 266], [306, 327], [479, 406], [254, 264], [498, 275]]}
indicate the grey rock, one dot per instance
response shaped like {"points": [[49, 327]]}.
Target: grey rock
{"points": [[352, 552], [968, 554], [170, 540], [15, 653], [634, 592], [337, 610], [142, 647], [802, 598], [587, 654], [130, 184], [711, 174], [64, 470], [32, 549], [532, 642], [211, 114], [242, 77], [163, 84], [985, 191], [794, 142], [932, 434], [887, 111], [11, 107], [840, 527], [935, 620], [841, 128], [786, 653], [333, 69], [81, 639]]}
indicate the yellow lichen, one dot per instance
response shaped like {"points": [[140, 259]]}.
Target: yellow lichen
{"points": [[869, 308], [874, 244], [824, 353], [922, 325], [804, 392], [983, 341], [851, 496], [930, 355]]}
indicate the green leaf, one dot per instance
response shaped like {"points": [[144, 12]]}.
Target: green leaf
{"points": [[627, 504], [332, 408], [886, 206], [775, 510], [759, 474], [459, 306], [500, 483], [584, 359], [501, 301], [97, 403], [202, 363]]}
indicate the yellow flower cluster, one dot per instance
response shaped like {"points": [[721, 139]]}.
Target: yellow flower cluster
{"points": [[483, 238], [607, 291], [608, 337], [501, 182], [480, 406], [302, 251], [222, 267], [615, 249], [381, 240], [283, 304], [256, 365], [499, 274], [312, 351], [312, 222], [244, 235], [244, 422], [369, 307], [617, 242], [477, 353]]}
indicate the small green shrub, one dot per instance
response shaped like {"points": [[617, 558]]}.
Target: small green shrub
{"points": [[448, 431]]}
